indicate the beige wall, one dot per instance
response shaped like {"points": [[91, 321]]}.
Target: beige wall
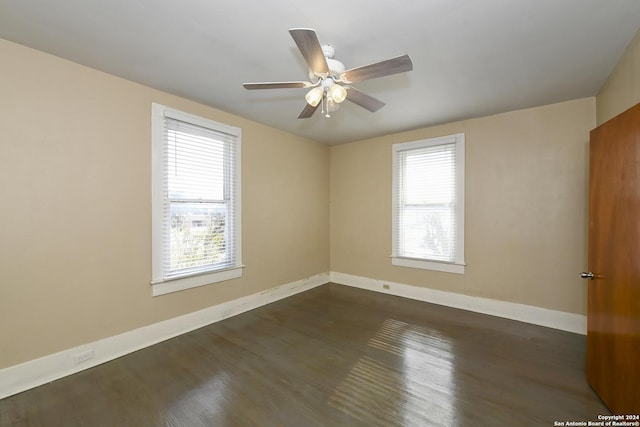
{"points": [[622, 89], [75, 218], [75, 222], [526, 204]]}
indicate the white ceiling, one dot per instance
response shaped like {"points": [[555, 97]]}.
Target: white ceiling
{"points": [[471, 57]]}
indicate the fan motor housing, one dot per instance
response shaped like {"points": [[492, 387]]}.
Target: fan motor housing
{"points": [[335, 67]]}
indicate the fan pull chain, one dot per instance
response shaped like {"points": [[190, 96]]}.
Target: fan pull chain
{"points": [[325, 100]]}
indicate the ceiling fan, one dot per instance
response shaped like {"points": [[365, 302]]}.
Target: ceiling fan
{"points": [[329, 83]]}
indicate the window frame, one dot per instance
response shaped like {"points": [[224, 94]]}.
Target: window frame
{"points": [[160, 283], [458, 265]]}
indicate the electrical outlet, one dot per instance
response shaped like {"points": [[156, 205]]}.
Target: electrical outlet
{"points": [[83, 356], [386, 286]]}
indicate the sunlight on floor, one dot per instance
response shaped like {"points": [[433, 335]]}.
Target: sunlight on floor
{"points": [[402, 389]]}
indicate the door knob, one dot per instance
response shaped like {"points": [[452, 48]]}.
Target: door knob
{"points": [[586, 275]]}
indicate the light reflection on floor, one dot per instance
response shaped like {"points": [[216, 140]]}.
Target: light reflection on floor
{"points": [[414, 389], [202, 403]]}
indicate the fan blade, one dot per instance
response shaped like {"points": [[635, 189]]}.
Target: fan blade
{"points": [[399, 64], [275, 85], [308, 111], [310, 48], [362, 99]]}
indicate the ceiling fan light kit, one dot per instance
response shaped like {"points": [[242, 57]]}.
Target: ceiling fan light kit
{"points": [[328, 79], [337, 93], [314, 96]]}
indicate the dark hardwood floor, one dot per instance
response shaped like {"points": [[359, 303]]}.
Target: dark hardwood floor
{"points": [[332, 356]]}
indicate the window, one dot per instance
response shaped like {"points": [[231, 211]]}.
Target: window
{"points": [[195, 201], [428, 204]]}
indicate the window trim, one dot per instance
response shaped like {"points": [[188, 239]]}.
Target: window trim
{"points": [[458, 266], [162, 285]]}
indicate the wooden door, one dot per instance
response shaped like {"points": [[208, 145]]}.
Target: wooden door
{"points": [[613, 331]]}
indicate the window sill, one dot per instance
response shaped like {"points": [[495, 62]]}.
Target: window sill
{"points": [[428, 265], [180, 284]]}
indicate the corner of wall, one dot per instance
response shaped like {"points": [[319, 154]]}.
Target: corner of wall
{"points": [[621, 91]]}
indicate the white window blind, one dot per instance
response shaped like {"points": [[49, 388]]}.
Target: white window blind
{"points": [[428, 203], [196, 198]]}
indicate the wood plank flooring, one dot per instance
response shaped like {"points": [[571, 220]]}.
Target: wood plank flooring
{"points": [[332, 356]]}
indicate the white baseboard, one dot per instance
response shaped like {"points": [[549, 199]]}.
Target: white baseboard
{"points": [[525, 313], [33, 373]]}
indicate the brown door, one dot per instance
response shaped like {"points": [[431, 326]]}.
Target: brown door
{"points": [[613, 331]]}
